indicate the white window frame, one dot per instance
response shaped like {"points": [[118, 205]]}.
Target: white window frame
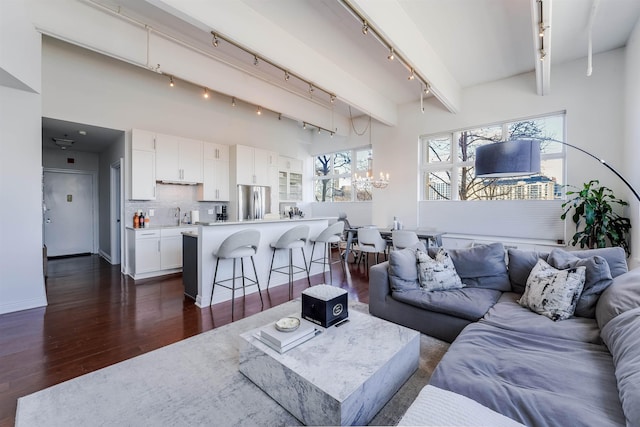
{"points": [[332, 176], [455, 165]]}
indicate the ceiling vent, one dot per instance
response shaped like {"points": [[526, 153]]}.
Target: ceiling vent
{"points": [[63, 143]]}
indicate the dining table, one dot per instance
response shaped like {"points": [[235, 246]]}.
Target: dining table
{"points": [[432, 238]]}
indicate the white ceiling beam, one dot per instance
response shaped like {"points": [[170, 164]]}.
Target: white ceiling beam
{"points": [[390, 19], [91, 27], [541, 21], [239, 22]]}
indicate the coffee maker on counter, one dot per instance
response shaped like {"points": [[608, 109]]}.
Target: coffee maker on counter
{"points": [[221, 212]]}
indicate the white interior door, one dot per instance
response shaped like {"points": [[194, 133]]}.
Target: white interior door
{"points": [[68, 214]]}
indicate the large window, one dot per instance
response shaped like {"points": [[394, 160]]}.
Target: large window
{"points": [[447, 162], [335, 173]]}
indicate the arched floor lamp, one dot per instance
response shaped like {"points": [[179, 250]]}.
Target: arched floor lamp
{"points": [[521, 158]]}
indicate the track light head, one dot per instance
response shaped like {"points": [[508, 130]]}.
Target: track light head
{"points": [[391, 56], [411, 76], [255, 60], [331, 133], [259, 111], [233, 101], [318, 131], [543, 54], [304, 125], [332, 98], [311, 89], [205, 95], [171, 81], [279, 116], [427, 89], [365, 27], [214, 42], [287, 76]]}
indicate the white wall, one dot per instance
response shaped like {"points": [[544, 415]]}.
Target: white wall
{"points": [[594, 107], [109, 156], [21, 272], [632, 135], [86, 87]]}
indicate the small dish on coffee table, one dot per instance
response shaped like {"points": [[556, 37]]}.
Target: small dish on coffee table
{"points": [[288, 324]]}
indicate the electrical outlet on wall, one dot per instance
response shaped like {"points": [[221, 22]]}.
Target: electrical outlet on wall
{"points": [[152, 212]]}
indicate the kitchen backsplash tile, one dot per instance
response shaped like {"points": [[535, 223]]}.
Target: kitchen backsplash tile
{"points": [[168, 198]]}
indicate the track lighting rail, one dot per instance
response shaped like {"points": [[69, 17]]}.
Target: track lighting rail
{"points": [[287, 74], [367, 28]]}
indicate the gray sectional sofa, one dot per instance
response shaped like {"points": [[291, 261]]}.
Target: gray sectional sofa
{"points": [[582, 371]]}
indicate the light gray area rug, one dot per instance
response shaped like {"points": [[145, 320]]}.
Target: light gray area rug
{"points": [[192, 382]]}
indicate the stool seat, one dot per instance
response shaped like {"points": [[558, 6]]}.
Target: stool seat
{"points": [[290, 245], [239, 245], [238, 253], [294, 238]]}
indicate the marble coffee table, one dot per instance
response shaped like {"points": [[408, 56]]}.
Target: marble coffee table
{"points": [[343, 376]]}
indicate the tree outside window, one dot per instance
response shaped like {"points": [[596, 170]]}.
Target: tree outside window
{"points": [[334, 175]]}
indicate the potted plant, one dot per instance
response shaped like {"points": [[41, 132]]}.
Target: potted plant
{"points": [[594, 210]]}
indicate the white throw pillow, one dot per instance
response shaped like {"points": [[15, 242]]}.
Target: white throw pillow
{"points": [[551, 292], [437, 274]]}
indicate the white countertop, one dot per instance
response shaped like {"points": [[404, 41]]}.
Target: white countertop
{"points": [[262, 221], [161, 227]]}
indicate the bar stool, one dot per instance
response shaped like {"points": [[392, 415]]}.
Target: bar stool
{"points": [[241, 244], [329, 236], [291, 239]]}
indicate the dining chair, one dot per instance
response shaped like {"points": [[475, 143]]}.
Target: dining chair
{"points": [[370, 241]]}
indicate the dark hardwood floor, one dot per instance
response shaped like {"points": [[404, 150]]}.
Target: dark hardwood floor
{"points": [[97, 317]]}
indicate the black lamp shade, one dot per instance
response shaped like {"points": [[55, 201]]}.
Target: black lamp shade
{"points": [[511, 158]]}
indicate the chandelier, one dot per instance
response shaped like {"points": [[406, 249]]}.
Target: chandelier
{"points": [[367, 182]]}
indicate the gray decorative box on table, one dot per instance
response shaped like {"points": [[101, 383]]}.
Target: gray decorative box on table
{"points": [[343, 376]]}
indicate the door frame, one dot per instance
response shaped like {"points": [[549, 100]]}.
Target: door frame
{"points": [[116, 192], [95, 214]]}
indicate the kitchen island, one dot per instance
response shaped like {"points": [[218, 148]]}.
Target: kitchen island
{"points": [[211, 235]]}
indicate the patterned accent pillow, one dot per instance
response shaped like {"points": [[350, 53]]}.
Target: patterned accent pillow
{"points": [[437, 274], [551, 292]]}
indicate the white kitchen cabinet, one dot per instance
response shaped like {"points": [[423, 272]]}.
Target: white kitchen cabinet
{"points": [[154, 252], [290, 179], [144, 251], [143, 166], [290, 164], [171, 247], [178, 159], [254, 166], [215, 174]]}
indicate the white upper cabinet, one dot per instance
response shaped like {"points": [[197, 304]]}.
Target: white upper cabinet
{"points": [[289, 164], [178, 159], [290, 179], [254, 166], [143, 166], [215, 182]]}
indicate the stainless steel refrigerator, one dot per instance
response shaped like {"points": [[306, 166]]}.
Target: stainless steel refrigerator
{"points": [[253, 202]]}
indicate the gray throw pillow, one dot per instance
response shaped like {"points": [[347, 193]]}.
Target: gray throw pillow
{"points": [[521, 263], [482, 266], [437, 274], [597, 279], [551, 292], [623, 295], [616, 258], [403, 274]]}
